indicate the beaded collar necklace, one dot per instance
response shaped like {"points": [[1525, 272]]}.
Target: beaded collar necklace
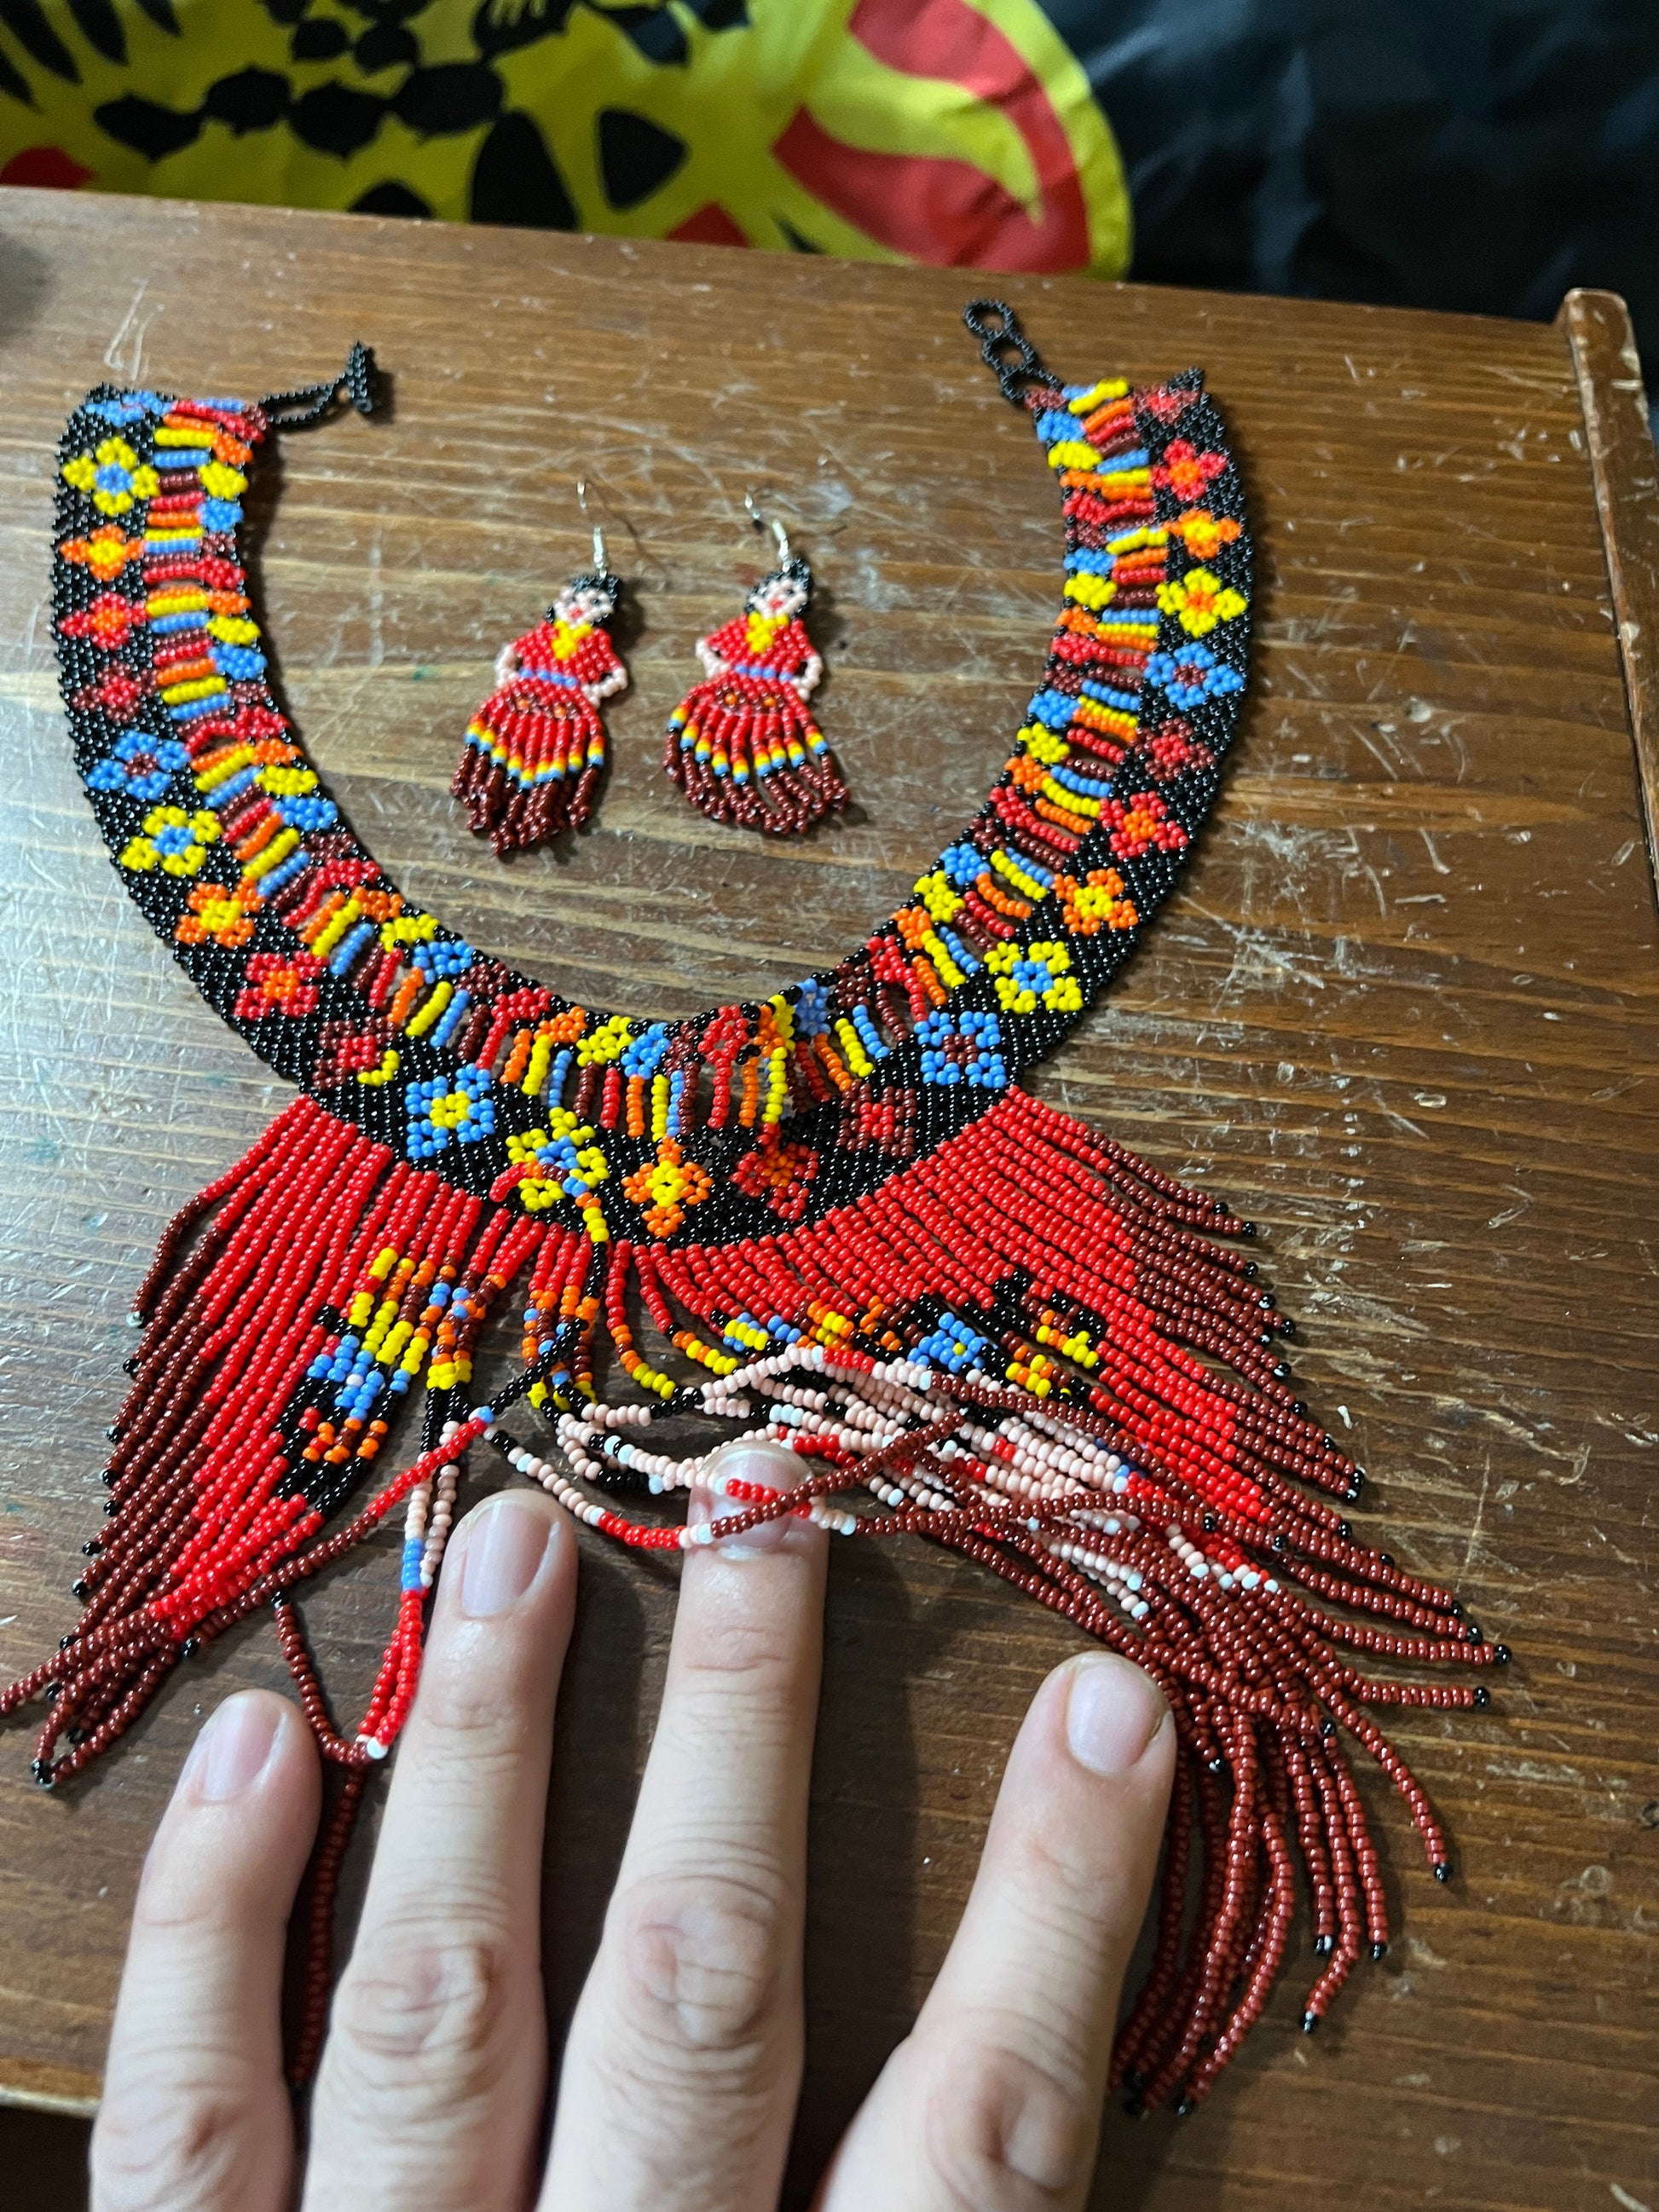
{"points": [[988, 1323]]}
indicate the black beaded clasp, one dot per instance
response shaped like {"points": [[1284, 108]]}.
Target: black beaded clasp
{"points": [[995, 339], [317, 402]]}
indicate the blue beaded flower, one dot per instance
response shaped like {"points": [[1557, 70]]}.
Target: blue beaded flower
{"points": [[645, 1054], [308, 813], [962, 1048], [129, 407], [1192, 675], [441, 958], [139, 766], [442, 1113], [962, 865], [813, 1009]]}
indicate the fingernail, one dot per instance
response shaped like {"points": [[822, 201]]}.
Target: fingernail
{"points": [[1112, 1711], [703, 1505], [231, 1751], [505, 1545]]}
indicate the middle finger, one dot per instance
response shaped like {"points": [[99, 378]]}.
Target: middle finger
{"points": [[683, 2061]]}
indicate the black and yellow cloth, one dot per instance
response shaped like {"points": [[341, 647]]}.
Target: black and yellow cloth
{"points": [[939, 131], [1483, 156]]}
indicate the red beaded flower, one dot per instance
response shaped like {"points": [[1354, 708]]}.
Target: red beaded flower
{"points": [[108, 621], [1141, 824], [1185, 471], [116, 693], [345, 1050], [782, 1177], [1173, 750], [880, 1125], [1168, 406], [278, 986]]}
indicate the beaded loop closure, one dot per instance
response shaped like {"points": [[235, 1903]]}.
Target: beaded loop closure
{"points": [[970, 1317]]}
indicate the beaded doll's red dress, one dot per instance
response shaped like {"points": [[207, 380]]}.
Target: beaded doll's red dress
{"points": [[743, 745], [535, 749]]}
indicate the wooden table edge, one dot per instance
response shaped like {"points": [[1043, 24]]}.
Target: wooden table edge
{"points": [[1625, 465], [33, 2086]]}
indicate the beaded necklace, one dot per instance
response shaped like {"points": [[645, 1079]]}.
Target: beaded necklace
{"points": [[969, 1316]]}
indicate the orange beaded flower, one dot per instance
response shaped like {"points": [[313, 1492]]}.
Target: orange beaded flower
{"points": [[218, 914], [1096, 904], [667, 1187], [1203, 533], [105, 552]]}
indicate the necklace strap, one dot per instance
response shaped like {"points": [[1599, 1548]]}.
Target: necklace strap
{"points": [[316, 403], [996, 339]]}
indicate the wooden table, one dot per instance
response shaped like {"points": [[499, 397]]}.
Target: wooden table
{"points": [[1403, 1011]]}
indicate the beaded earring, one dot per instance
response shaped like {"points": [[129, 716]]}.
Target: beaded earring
{"points": [[742, 745], [535, 749]]}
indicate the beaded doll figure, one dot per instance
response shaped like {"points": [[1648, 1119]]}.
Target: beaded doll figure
{"points": [[742, 745], [535, 748]]}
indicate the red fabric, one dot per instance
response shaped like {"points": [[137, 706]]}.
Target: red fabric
{"points": [[709, 226], [48, 166], [948, 212]]}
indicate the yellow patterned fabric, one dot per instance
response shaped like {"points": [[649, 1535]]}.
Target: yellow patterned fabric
{"points": [[949, 131]]}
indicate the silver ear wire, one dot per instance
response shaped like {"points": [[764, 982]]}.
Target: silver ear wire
{"points": [[599, 561], [761, 522]]}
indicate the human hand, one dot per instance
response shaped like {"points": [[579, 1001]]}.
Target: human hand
{"points": [[683, 2065]]}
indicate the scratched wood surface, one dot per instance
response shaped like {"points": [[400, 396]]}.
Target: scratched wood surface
{"points": [[1403, 1011]]}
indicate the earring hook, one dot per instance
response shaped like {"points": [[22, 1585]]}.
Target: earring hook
{"points": [[761, 522], [599, 561]]}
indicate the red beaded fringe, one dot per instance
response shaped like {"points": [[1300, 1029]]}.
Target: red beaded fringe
{"points": [[1002, 1320], [221, 1479]]}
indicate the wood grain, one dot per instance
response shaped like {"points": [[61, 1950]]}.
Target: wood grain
{"points": [[1403, 1011], [1626, 470]]}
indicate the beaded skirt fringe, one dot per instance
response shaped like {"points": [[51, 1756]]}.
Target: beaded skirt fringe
{"points": [[1027, 1346], [745, 751], [544, 786]]}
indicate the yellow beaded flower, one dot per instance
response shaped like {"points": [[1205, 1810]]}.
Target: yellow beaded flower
{"points": [[1031, 975], [173, 840], [1203, 533], [1201, 601], [113, 476], [607, 1043]]}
